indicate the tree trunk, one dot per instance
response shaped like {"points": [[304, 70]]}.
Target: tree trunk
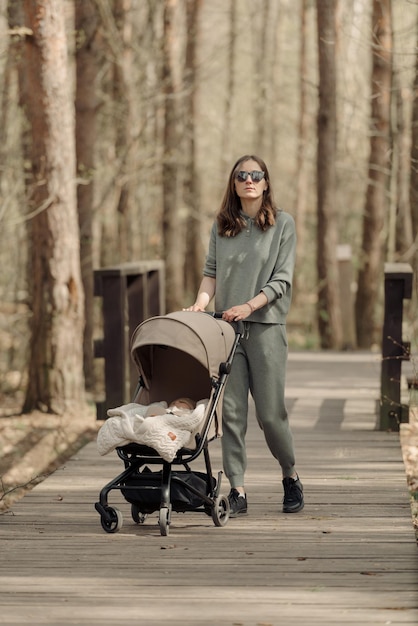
{"points": [[56, 382], [402, 234], [227, 118], [194, 246], [302, 161], [328, 312], [260, 99], [87, 69], [376, 203], [126, 127], [413, 191], [172, 231]]}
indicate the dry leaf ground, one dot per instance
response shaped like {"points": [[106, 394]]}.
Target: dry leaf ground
{"points": [[34, 445]]}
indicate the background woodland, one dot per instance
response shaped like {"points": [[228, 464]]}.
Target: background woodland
{"points": [[119, 123]]}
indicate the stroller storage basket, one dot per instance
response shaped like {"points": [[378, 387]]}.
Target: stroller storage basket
{"points": [[144, 490]]}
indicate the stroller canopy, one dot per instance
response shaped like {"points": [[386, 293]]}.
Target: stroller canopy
{"points": [[202, 336], [178, 355]]}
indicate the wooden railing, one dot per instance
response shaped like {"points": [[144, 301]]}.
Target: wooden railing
{"points": [[130, 293], [398, 286]]}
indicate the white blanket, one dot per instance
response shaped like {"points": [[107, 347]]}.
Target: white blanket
{"points": [[165, 433]]}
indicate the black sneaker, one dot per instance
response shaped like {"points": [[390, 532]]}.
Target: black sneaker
{"points": [[293, 495], [237, 503]]}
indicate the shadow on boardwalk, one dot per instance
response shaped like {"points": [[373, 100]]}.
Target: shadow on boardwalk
{"points": [[349, 557]]}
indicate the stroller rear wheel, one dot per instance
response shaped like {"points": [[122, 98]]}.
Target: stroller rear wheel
{"points": [[112, 520], [137, 515], [220, 511]]}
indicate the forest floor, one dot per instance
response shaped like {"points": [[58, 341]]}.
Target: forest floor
{"points": [[33, 446]]}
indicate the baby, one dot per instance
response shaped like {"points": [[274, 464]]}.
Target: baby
{"points": [[169, 429], [160, 408], [179, 406], [183, 403]]}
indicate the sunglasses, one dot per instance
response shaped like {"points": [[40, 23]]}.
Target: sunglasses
{"points": [[256, 176]]}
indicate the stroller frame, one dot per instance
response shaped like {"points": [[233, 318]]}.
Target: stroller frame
{"points": [[202, 489]]}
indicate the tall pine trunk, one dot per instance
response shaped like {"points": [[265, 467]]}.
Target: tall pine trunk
{"points": [[87, 69], [377, 200], [194, 255], [56, 381], [413, 191], [328, 312], [172, 231], [302, 180]]}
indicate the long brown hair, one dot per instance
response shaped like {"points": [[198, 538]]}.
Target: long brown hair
{"points": [[229, 219]]}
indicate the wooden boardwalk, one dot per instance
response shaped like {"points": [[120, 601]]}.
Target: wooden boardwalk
{"points": [[349, 557]]}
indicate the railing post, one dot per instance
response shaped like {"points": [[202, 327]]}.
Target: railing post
{"points": [[130, 293], [398, 286]]}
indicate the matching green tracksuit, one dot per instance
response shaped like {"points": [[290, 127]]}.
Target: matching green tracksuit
{"points": [[244, 265]]}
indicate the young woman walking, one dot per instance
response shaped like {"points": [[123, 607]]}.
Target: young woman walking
{"points": [[249, 269]]}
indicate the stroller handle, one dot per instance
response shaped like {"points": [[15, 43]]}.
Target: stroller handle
{"points": [[238, 326]]}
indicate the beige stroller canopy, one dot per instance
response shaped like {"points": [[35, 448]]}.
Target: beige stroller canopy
{"points": [[178, 354]]}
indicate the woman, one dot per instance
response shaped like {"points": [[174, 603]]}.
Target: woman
{"points": [[249, 269]]}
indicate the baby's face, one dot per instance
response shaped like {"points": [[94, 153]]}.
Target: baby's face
{"points": [[181, 404]]}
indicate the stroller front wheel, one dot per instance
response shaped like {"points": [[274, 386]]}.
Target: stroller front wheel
{"points": [[112, 520], [220, 511]]}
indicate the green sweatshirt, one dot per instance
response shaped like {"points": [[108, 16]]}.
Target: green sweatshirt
{"points": [[251, 262]]}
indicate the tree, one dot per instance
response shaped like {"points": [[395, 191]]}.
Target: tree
{"points": [[124, 100], [260, 69], [173, 250], [227, 116], [88, 58], [302, 182], [376, 202], [56, 382], [194, 247], [328, 311], [400, 231], [413, 191]]}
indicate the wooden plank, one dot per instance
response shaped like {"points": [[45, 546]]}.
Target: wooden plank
{"points": [[349, 557]]}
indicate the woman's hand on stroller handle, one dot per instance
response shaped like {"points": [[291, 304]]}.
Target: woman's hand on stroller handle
{"points": [[238, 313], [220, 315], [238, 325]]}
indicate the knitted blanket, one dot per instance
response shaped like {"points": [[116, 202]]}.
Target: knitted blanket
{"points": [[166, 433]]}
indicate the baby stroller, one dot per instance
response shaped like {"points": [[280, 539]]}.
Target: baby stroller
{"points": [[180, 354]]}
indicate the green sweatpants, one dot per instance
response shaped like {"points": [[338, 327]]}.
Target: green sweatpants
{"points": [[259, 367]]}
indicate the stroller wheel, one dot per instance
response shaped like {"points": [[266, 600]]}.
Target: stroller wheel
{"points": [[112, 520], [137, 514], [164, 520], [220, 511]]}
